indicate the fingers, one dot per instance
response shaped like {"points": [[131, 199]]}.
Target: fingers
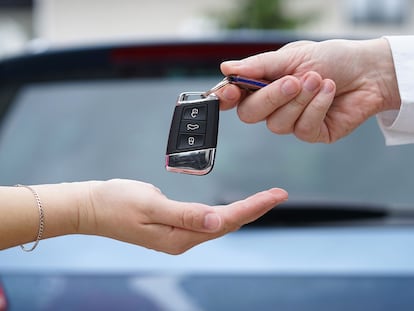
{"points": [[253, 110], [190, 216], [282, 121], [187, 228], [259, 105], [245, 211], [289, 105], [311, 126], [305, 115], [268, 65], [230, 96], [259, 66], [252, 67], [204, 218]]}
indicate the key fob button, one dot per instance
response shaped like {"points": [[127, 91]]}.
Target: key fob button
{"points": [[196, 127], [192, 139], [197, 113], [186, 141]]}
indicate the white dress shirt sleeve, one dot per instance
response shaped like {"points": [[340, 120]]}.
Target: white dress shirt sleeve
{"points": [[398, 125]]}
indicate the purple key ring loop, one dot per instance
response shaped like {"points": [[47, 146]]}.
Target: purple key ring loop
{"points": [[242, 82]]}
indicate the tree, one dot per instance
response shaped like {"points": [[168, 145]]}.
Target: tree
{"points": [[258, 14]]}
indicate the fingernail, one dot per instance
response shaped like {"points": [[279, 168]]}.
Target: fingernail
{"points": [[233, 63], [328, 87], [212, 222], [280, 192], [289, 87], [311, 84]]}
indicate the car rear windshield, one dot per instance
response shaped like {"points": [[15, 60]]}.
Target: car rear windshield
{"points": [[81, 130]]}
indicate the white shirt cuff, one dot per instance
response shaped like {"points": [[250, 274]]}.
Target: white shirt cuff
{"points": [[398, 126]]}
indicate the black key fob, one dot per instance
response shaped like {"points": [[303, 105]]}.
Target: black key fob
{"points": [[192, 140]]}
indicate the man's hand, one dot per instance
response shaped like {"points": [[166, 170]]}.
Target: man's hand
{"points": [[321, 91]]}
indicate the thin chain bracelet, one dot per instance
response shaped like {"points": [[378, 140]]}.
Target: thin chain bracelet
{"points": [[41, 219]]}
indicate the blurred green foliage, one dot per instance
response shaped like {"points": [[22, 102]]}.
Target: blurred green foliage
{"points": [[258, 14]]}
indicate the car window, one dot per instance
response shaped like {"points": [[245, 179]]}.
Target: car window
{"points": [[69, 131]]}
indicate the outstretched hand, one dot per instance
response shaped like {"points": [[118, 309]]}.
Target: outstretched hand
{"points": [[125, 210], [138, 213], [320, 91]]}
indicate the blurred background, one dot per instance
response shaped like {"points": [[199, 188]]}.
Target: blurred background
{"points": [[63, 22], [98, 130]]}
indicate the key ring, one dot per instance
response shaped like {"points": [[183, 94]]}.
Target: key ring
{"points": [[242, 82]]}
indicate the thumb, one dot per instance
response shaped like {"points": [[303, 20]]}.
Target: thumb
{"points": [[190, 216], [268, 66]]}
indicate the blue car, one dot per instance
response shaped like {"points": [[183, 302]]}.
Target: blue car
{"points": [[343, 241]]}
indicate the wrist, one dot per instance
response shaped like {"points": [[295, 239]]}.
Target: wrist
{"points": [[67, 208], [83, 212], [383, 71], [93, 214]]}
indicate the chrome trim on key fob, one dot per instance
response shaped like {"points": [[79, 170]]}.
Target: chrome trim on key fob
{"points": [[192, 140]]}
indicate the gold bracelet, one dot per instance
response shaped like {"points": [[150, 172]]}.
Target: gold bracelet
{"points": [[41, 219]]}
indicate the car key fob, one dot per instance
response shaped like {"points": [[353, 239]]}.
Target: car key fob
{"points": [[192, 140]]}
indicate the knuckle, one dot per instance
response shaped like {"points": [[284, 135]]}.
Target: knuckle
{"points": [[191, 219], [278, 128], [303, 134], [303, 129], [174, 247], [230, 227], [259, 61], [306, 131], [271, 98], [245, 115], [234, 227], [177, 250], [300, 102], [187, 219], [299, 43]]}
